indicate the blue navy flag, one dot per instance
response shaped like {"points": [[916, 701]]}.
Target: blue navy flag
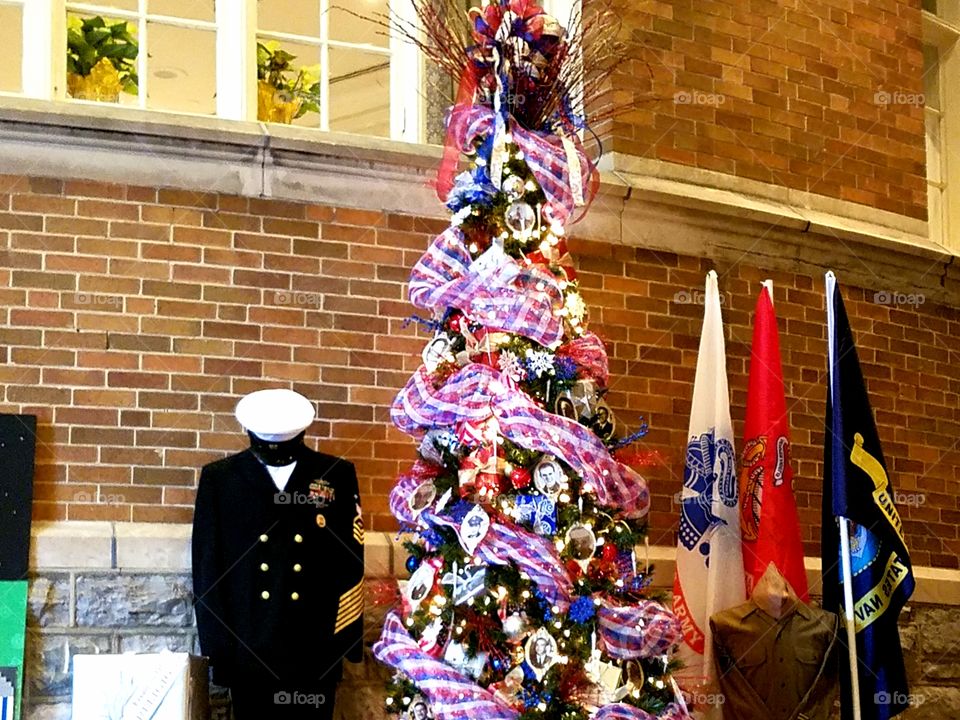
{"points": [[857, 487]]}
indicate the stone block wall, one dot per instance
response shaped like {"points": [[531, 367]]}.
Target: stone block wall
{"points": [[114, 611], [80, 611]]}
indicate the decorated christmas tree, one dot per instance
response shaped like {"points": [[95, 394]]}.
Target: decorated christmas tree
{"points": [[525, 598]]}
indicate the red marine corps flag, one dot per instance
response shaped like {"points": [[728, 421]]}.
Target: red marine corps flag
{"points": [[769, 525]]}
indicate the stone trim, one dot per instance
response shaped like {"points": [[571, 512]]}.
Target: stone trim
{"points": [[798, 209], [643, 203], [165, 548]]}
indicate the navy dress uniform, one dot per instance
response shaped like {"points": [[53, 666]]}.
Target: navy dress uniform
{"points": [[278, 566]]}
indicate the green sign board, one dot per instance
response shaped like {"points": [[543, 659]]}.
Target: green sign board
{"points": [[13, 615]]}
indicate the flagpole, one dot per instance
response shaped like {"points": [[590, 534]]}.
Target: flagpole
{"points": [[831, 286], [848, 612]]}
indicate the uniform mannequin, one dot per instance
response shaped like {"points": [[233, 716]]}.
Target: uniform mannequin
{"points": [[278, 565], [776, 656]]}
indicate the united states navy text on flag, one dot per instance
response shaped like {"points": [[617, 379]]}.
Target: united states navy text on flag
{"points": [[858, 488]]}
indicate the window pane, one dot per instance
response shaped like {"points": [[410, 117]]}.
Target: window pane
{"points": [[305, 56], [102, 59], [11, 48], [301, 17], [192, 9], [931, 76], [360, 92], [185, 82], [347, 27]]}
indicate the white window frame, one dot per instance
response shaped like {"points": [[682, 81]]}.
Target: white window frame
{"points": [[235, 25], [141, 18], [405, 106], [944, 35]]}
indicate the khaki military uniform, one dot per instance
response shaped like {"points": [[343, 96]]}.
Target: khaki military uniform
{"points": [[776, 669]]}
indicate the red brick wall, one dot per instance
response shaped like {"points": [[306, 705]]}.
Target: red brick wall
{"points": [[132, 318], [822, 96]]}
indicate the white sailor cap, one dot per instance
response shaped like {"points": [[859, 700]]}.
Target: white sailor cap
{"points": [[275, 415]]}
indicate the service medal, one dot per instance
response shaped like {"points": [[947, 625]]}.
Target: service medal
{"points": [[321, 493]]}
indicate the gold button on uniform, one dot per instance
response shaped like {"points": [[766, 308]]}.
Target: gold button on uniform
{"points": [[265, 595], [298, 538], [321, 521], [297, 567], [294, 596], [264, 538]]}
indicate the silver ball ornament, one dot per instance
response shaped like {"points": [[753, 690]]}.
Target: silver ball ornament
{"points": [[513, 187], [520, 217]]}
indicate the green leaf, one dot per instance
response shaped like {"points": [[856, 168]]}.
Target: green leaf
{"points": [[89, 56], [71, 64], [96, 37], [93, 22], [75, 39], [113, 51]]}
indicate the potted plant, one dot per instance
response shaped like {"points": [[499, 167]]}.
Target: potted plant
{"points": [[101, 58], [281, 95]]}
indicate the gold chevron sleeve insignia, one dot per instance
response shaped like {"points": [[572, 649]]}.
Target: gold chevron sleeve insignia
{"points": [[358, 527], [351, 607]]}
